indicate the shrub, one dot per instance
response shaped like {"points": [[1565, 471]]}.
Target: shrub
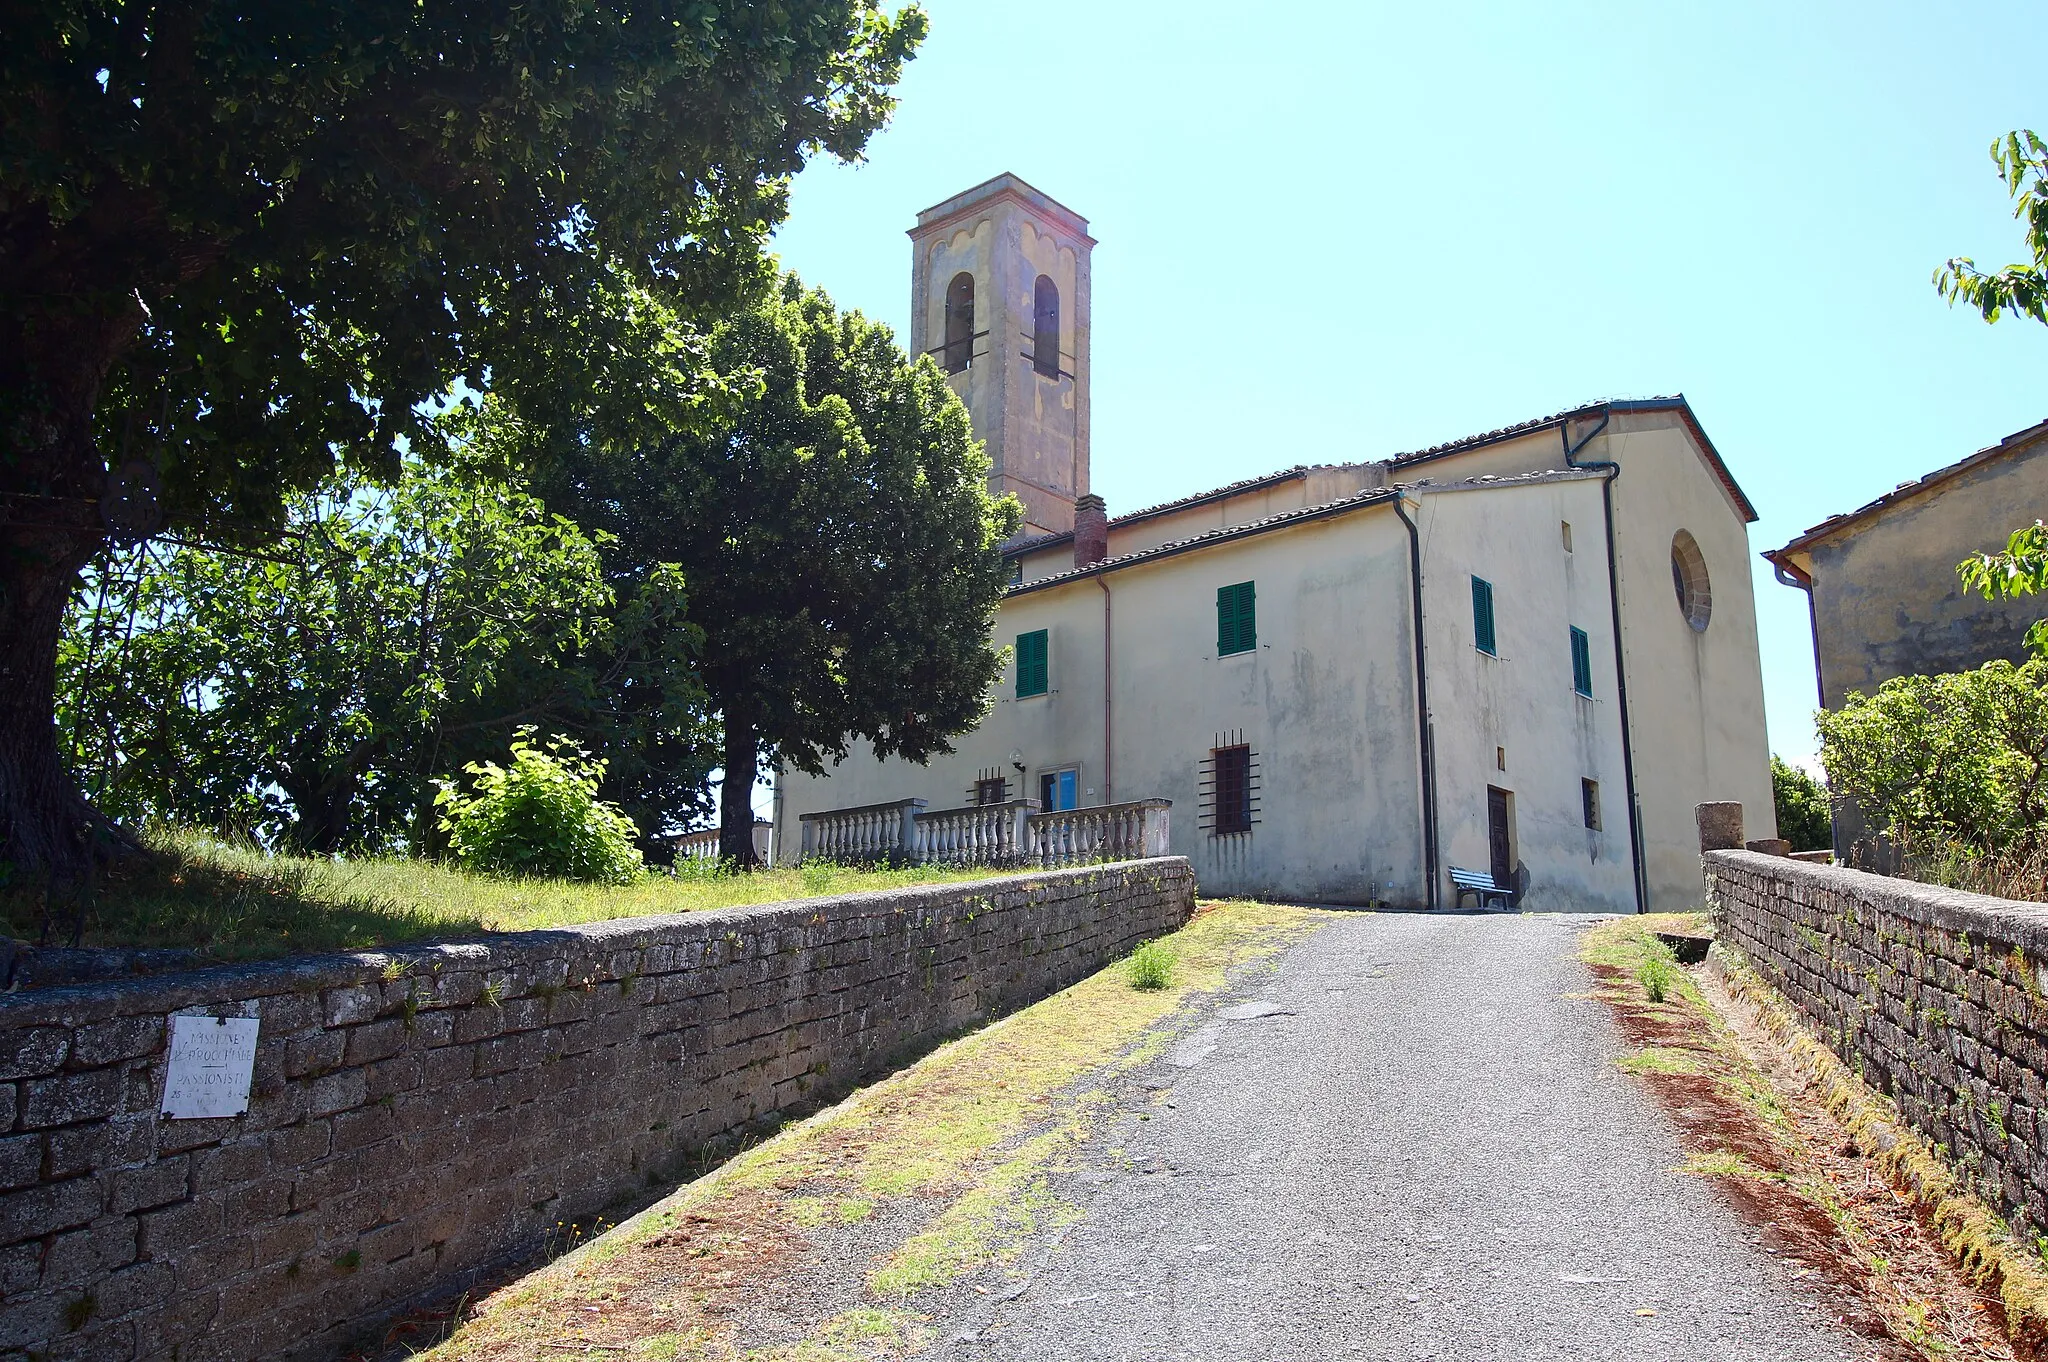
{"points": [[541, 816], [1802, 804], [1150, 966], [1658, 974], [1955, 758]]}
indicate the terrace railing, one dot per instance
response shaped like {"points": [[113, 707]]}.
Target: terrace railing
{"points": [[1009, 834]]}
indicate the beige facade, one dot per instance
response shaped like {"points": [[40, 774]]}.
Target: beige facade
{"points": [[1882, 581], [1388, 735], [984, 265]]}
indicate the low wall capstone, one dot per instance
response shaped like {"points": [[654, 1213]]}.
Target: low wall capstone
{"points": [[1935, 997], [421, 1115]]}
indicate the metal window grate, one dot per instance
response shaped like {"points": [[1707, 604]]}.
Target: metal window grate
{"points": [[1229, 787], [990, 787]]}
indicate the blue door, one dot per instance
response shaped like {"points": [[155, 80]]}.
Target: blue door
{"points": [[1056, 790]]}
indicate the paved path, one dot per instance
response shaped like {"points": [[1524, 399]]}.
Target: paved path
{"points": [[1430, 1155]]}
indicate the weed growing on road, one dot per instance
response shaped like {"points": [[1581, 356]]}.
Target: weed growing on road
{"points": [[1150, 966], [1658, 973]]}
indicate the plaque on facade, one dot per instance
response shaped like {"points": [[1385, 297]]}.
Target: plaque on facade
{"points": [[211, 1062]]}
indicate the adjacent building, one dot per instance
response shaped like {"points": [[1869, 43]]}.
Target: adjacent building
{"points": [[1880, 582], [1527, 653]]}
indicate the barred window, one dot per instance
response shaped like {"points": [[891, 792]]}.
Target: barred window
{"points": [[1230, 787]]}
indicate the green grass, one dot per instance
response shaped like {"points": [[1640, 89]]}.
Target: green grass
{"points": [[235, 903], [1150, 966]]}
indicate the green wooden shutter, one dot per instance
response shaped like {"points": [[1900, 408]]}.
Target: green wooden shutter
{"points": [[1582, 663], [1032, 672], [1237, 621], [1482, 614]]}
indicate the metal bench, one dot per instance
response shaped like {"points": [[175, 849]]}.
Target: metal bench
{"points": [[1489, 892]]}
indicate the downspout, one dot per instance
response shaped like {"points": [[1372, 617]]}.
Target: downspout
{"points": [[1432, 894], [1628, 756], [1799, 583], [1107, 730]]}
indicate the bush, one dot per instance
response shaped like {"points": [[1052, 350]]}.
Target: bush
{"points": [[1802, 804], [1150, 966], [1658, 974], [541, 817], [1957, 758]]}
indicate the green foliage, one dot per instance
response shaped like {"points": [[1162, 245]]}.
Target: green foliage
{"points": [[2022, 162], [848, 583], [1658, 974], [2020, 569], [1957, 757], [541, 816], [247, 246], [1802, 804], [310, 702], [1150, 966]]}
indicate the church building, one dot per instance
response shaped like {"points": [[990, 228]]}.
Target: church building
{"points": [[1527, 653]]}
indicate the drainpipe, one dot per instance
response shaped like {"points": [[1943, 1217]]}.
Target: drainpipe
{"points": [[1107, 731], [1797, 582], [1433, 898], [1628, 757]]}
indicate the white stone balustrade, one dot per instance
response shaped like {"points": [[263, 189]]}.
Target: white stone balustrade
{"points": [[872, 832], [1013, 833]]}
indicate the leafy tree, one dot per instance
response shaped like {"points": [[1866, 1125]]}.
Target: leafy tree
{"points": [[240, 244], [2022, 162], [541, 816], [1802, 804], [1962, 757], [2021, 569], [312, 702], [838, 536]]}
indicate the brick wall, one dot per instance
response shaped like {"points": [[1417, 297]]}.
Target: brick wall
{"points": [[1933, 996], [421, 1114]]}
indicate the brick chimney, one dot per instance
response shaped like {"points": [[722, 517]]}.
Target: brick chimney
{"points": [[1091, 530]]}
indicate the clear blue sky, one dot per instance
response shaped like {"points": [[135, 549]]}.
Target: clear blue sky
{"points": [[1339, 231]]}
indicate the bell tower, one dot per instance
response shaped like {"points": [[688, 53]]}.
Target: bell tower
{"points": [[999, 298]]}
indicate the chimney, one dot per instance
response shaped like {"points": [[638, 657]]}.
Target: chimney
{"points": [[1091, 530]]}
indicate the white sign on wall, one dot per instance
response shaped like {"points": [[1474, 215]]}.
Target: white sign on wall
{"points": [[212, 1060]]}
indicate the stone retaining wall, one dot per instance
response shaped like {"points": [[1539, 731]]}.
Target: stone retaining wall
{"points": [[1933, 996], [422, 1114]]}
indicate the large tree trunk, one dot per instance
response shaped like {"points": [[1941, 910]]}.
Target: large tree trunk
{"points": [[51, 480], [736, 794]]}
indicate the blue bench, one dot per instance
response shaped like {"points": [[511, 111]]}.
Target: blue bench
{"points": [[1481, 885]]}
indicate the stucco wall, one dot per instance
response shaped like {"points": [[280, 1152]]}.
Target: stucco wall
{"points": [[420, 1114], [1886, 598], [1326, 701], [1521, 700], [1933, 996], [1696, 700]]}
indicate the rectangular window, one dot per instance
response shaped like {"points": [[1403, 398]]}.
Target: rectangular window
{"points": [[1582, 663], [1237, 619], [1589, 795], [991, 790], [1482, 615], [1056, 789], [1031, 664], [1233, 806], [1567, 535]]}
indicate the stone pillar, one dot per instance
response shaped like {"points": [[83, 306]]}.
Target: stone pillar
{"points": [[1091, 530], [1156, 837], [907, 842], [1720, 825]]}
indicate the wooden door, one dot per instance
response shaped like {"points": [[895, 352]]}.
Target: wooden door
{"points": [[1497, 836]]}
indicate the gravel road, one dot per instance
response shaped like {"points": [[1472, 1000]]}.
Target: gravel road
{"points": [[1402, 1140]]}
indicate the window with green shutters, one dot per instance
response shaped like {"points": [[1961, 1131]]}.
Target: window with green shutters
{"points": [[1031, 665], [1582, 663], [1237, 619], [1482, 615]]}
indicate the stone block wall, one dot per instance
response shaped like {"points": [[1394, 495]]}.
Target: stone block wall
{"points": [[422, 1114], [1934, 996]]}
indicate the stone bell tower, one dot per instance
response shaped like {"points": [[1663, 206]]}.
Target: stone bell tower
{"points": [[999, 297]]}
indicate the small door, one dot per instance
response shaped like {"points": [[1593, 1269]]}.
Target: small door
{"points": [[1497, 841], [1056, 789]]}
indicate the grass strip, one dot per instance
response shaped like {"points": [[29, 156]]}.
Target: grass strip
{"points": [[947, 1167]]}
